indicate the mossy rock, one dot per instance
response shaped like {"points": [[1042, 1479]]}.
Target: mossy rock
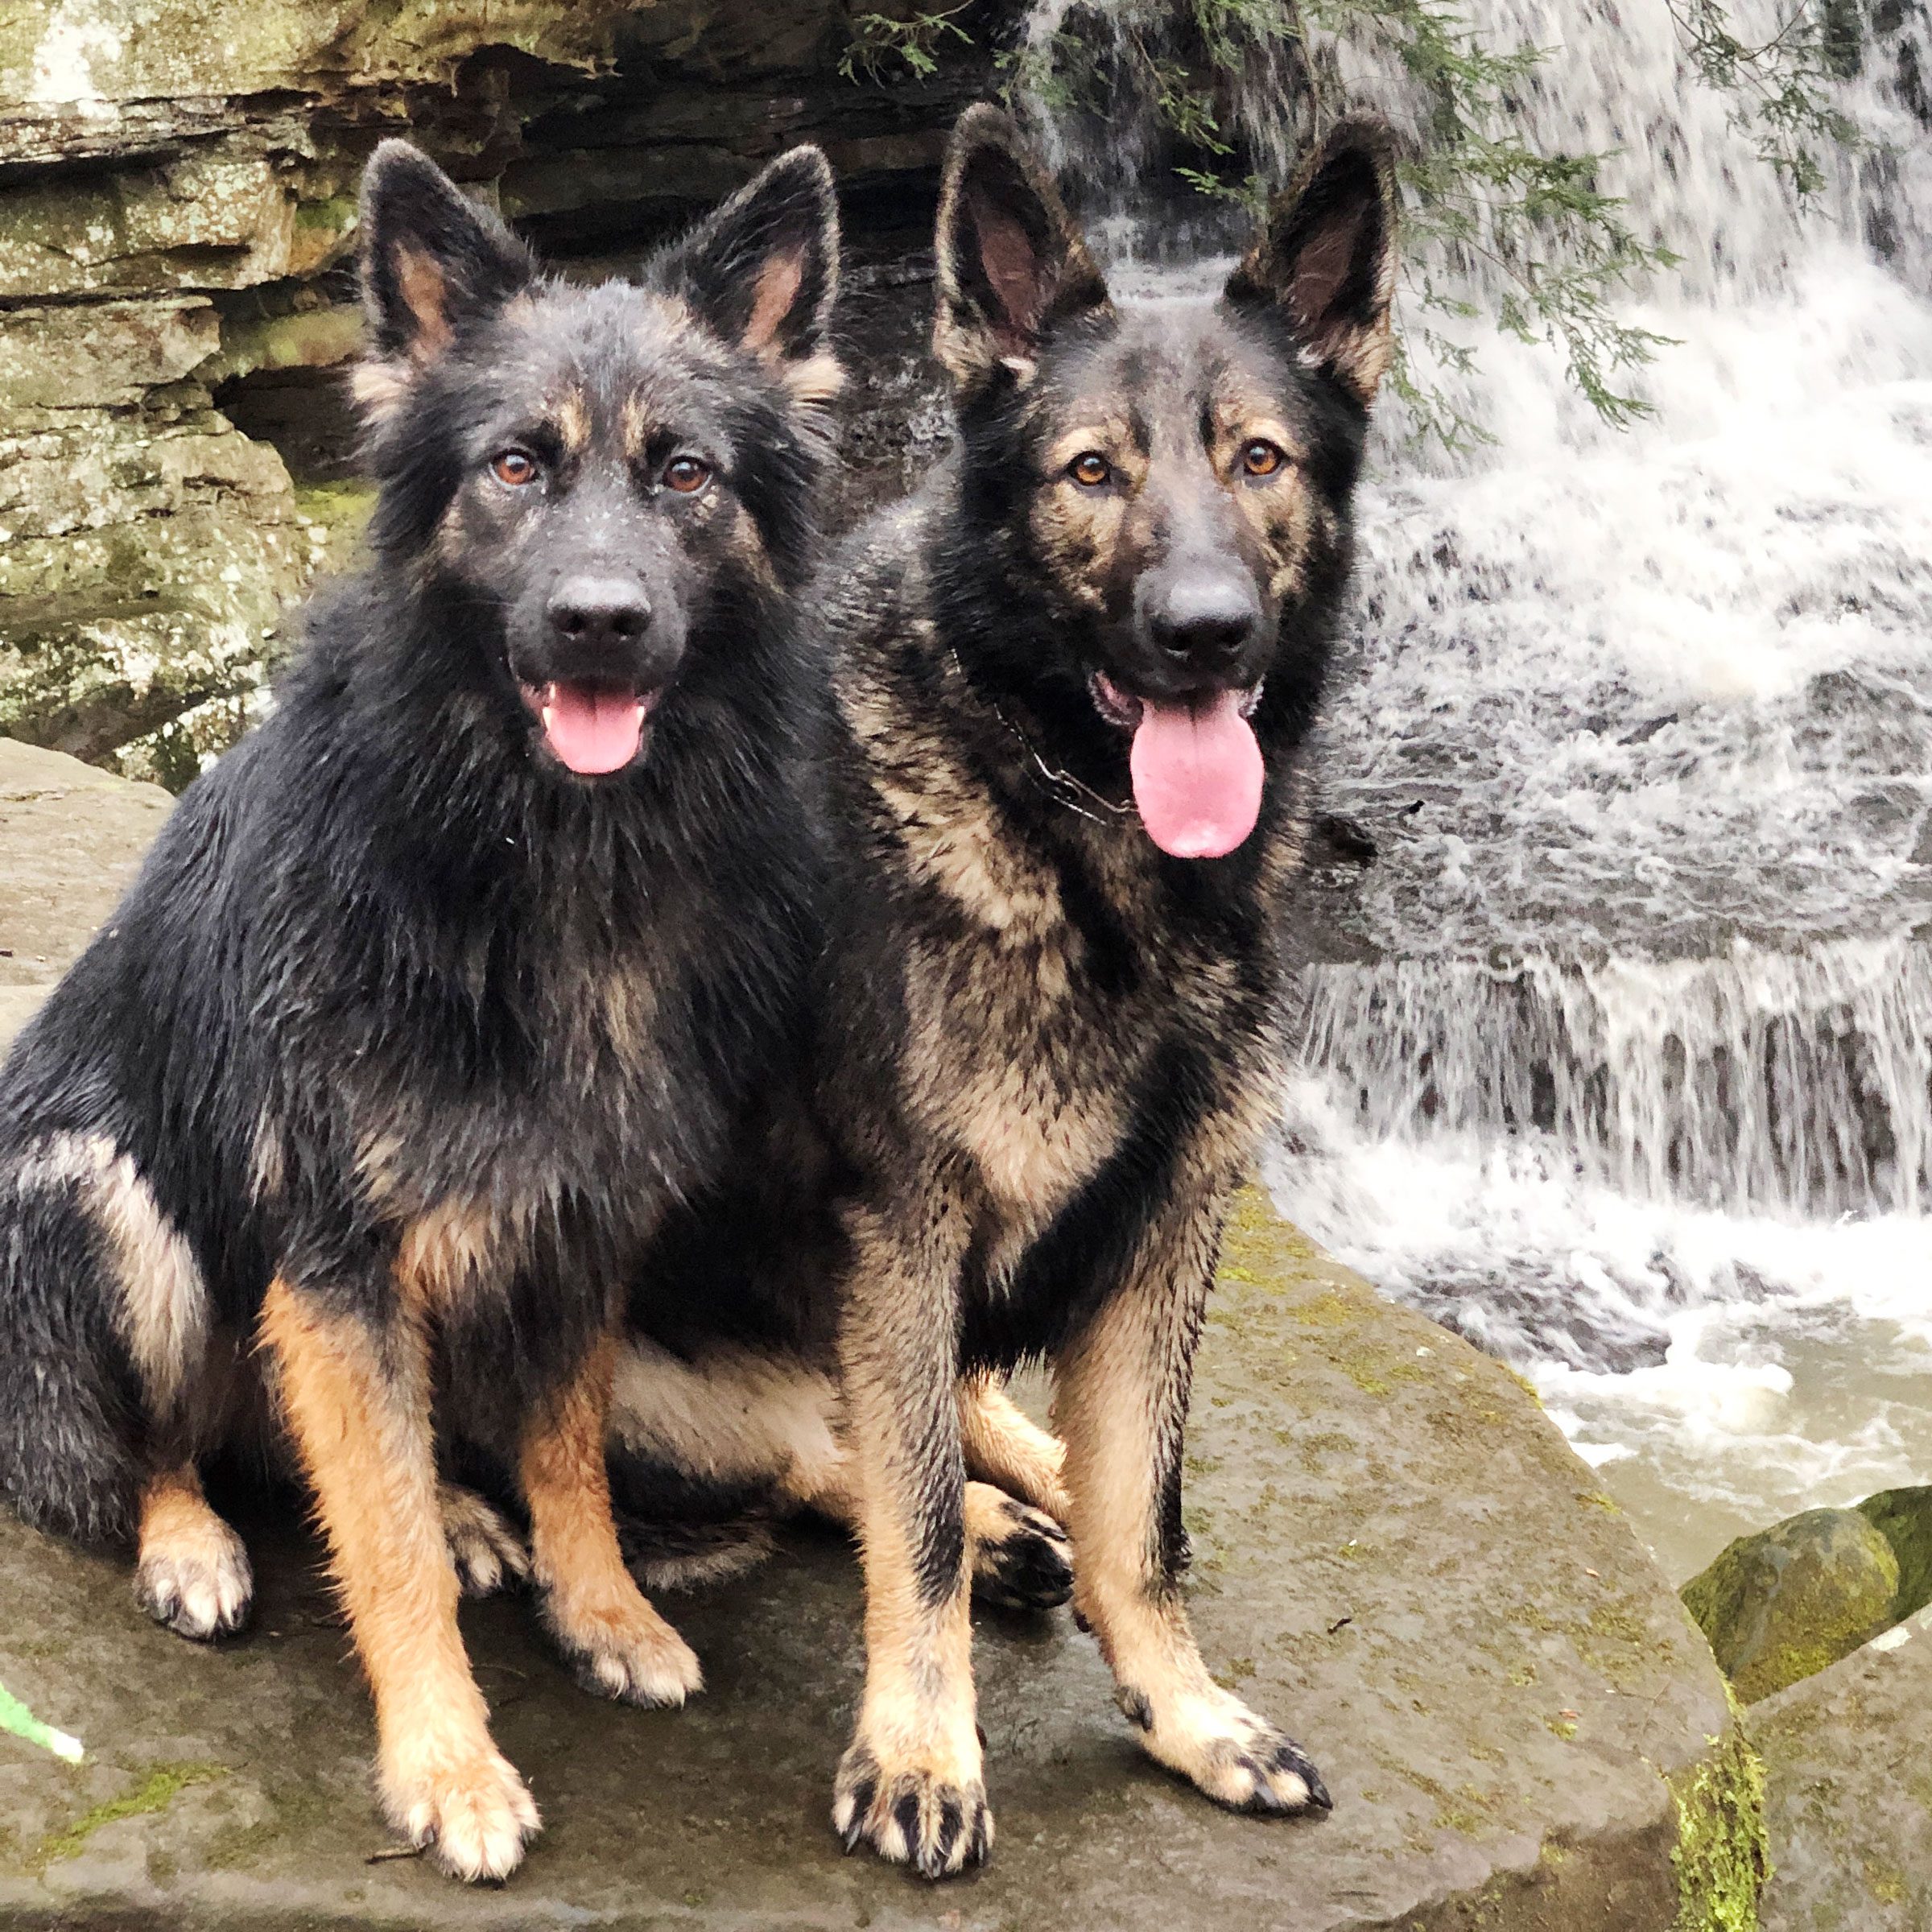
{"points": [[1904, 1518], [1781, 1605]]}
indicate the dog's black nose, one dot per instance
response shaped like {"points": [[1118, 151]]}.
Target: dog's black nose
{"points": [[1205, 621], [596, 612]]}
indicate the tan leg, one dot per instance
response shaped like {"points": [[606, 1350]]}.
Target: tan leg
{"points": [[358, 1407], [192, 1572], [618, 1643], [1006, 1447], [910, 1784], [1120, 1404]]}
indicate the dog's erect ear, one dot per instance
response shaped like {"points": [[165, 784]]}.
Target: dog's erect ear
{"points": [[1012, 266], [431, 259], [763, 270], [1325, 256]]}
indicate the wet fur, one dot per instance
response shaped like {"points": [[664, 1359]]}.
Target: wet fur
{"points": [[1050, 1049], [405, 1042]]}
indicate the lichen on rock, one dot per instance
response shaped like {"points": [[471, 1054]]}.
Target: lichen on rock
{"points": [[1780, 1605]]}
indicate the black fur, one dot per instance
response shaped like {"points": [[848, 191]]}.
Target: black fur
{"points": [[390, 916]]}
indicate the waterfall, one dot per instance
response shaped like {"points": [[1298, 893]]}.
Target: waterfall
{"points": [[1625, 1070]]}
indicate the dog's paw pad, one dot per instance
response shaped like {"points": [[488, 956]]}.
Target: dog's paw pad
{"points": [[912, 1818], [1029, 1565], [488, 1553], [199, 1586], [636, 1658], [474, 1819]]}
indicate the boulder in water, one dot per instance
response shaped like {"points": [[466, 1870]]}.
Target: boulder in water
{"points": [[1781, 1605]]}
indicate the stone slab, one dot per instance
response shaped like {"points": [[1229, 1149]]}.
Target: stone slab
{"points": [[71, 837], [1848, 1791], [1396, 1555]]}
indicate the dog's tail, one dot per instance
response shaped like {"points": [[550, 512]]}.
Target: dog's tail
{"points": [[681, 1531], [692, 1556], [70, 1411]]}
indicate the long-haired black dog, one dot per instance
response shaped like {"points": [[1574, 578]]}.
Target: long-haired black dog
{"points": [[440, 986]]}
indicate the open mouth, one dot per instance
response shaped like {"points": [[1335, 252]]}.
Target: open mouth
{"points": [[590, 730], [1195, 764]]}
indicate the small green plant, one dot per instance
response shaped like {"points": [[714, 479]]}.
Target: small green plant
{"points": [[882, 47]]}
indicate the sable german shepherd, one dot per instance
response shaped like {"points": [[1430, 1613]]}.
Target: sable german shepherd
{"points": [[440, 988], [1076, 676]]}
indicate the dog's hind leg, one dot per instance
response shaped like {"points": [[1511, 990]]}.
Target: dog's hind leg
{"points": [[1120, 1403], [1021, 1557], [192, 1572], [1005, 1447], [356, 1399], [619, 1646], [483, 1545]]}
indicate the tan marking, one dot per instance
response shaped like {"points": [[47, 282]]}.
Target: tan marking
{"points": [[777, 289], [424, 293], [596, 1608], [735, 1415], [1118, 1404], [191, 1570], [812, 381], [357, 1407], [572, 417], [486, 1551], [446, 1253], [637, 424], [160, 1304], [1006, 1447], [377, 388]]}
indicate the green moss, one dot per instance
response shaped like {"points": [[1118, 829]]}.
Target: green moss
{"points": [[1721, 1854], [1779, 1606], [1904, 1518], [155, 1793]]}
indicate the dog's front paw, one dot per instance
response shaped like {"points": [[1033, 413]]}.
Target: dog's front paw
{"points": [[487, 1552], [473, 1815], [1238, 1759], [624, 1650], [196, 1580], [910, 1814], [1021, 1558]]}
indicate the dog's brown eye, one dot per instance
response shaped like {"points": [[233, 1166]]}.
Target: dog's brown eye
{"points": [[1261, 459], [1092, 469], [686, 474], [515, 467]]}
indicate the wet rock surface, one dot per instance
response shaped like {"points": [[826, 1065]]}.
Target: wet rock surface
{"points": [[1848, 1807], [1396, 1553], [70, 839]]}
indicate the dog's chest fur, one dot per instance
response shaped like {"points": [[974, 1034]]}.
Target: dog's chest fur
{"points": [[1048, 990]]}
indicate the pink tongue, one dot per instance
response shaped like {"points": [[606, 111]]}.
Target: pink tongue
{"points": [[1197, 777], [592, 731]]}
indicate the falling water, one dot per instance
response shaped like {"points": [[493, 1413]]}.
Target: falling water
{"points": [[1629, 1076]]}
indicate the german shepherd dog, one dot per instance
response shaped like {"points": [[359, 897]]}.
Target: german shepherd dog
{"points": [[441, 987], [1076, 674]]}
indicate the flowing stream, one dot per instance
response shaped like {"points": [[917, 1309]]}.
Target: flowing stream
{"points": [[1623, 1068]]}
